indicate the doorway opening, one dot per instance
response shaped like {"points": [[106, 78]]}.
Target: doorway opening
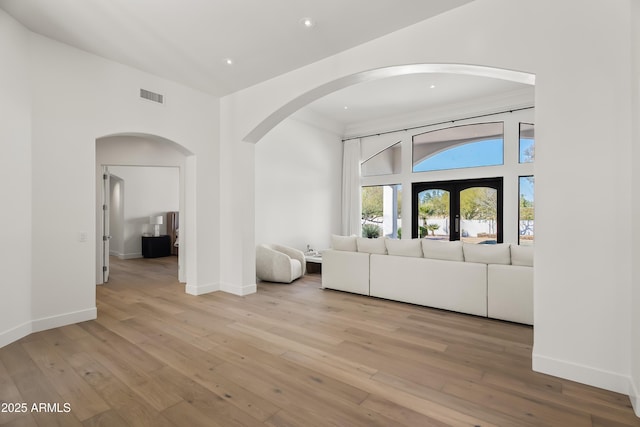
{"points": [[140, 213], [469, 210], [142, 170]]}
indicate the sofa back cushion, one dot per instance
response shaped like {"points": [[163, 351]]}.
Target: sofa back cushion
{"points": [[522, 255], [406, 247], [444, 250], [487, 254], [371, 246], [344, 243]]}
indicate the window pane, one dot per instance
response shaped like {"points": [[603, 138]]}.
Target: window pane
{"points": [[527, 211], [479, 215], [433, 214], [527, 143], [459, 147], [386, 162], [381, 211]]}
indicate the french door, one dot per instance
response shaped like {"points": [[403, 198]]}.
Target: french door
{"points": [[469, 210]]}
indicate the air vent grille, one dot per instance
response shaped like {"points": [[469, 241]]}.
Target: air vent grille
{"points": [[152, 96]]}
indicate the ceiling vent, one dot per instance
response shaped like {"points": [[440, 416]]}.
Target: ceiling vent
{"points": [[152, 96]]}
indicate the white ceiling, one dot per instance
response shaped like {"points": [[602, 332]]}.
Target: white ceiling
{"points": [[188, 40], [403, 96]]}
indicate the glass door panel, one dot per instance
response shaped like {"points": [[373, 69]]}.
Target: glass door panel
{"points": [[434, 213], [479, 215], [468, 210]]}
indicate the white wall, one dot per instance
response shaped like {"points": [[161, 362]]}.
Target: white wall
{"points": [[15, 181], [78, 98], [298, 177], [583, 146], [635, 300], [148, 191]]}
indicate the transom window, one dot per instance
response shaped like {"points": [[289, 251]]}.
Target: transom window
{"points": [[527, 143], [459, 147], [386, 162]]}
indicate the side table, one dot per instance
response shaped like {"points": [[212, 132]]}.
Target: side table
{"points": [[155, 247], [314, 263]]}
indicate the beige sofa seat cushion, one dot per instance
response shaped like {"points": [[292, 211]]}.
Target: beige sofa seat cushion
{"points": [[343, 243], [442, 250], [406, 247], [522, 255], [456, 286], [487, 254], [371, 246], [510, 293], [346, 271]]}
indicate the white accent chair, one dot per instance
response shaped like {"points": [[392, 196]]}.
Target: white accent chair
{"points": [[277, 263]]}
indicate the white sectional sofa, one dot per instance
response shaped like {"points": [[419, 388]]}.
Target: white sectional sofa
{"points": [[485, 280]]}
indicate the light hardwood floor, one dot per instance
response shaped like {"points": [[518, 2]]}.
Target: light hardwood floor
{"points": [[289, 355]]}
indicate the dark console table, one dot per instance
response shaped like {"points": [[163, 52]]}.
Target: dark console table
{"points": [[154, 247]]}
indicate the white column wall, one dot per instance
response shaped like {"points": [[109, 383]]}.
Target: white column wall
{"points": [[635, 232], [237, 210], [298, 184], [15, 181], [583, 141], [78, 98]]}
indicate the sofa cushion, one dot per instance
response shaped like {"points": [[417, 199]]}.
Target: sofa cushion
{"points": [[406, 247], [522, 255], [371, 246], [442, 249], [344, 243], [487, 254]]}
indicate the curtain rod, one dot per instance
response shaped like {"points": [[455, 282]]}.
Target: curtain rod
{"points": [[438, 123]]}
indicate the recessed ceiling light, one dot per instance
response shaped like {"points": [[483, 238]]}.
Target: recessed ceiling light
{"points": [[228, 61], [307, 22], [346, 107], [432, 86]]}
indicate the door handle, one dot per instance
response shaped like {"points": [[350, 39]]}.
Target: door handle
{"points": [[457, 223]]}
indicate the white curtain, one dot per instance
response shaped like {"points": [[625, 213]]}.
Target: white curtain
{"points": [[351, 214]]}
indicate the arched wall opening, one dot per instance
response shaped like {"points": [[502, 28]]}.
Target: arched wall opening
{"points": [[380, 73], [145, 150], [304, 160]]}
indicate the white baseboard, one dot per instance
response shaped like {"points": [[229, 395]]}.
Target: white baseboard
{"points": [[63, 319], [201, 289], [14, 334], [37, 325], [238, 290], [634, 395], [607, 380], [224, 287], [130, 256]]}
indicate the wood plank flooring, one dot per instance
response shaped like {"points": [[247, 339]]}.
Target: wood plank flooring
{"points": [[289, 355]]}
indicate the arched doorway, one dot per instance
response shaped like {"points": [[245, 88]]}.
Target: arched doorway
{"points": [[314, 94], [137, 150]]}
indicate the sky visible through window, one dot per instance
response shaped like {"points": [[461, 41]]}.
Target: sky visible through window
{"points": [[526, 150], [475, 154], [526, 187]]}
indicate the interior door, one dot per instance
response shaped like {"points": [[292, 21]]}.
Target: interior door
{"points": [[106, 198], [467, 210]]}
